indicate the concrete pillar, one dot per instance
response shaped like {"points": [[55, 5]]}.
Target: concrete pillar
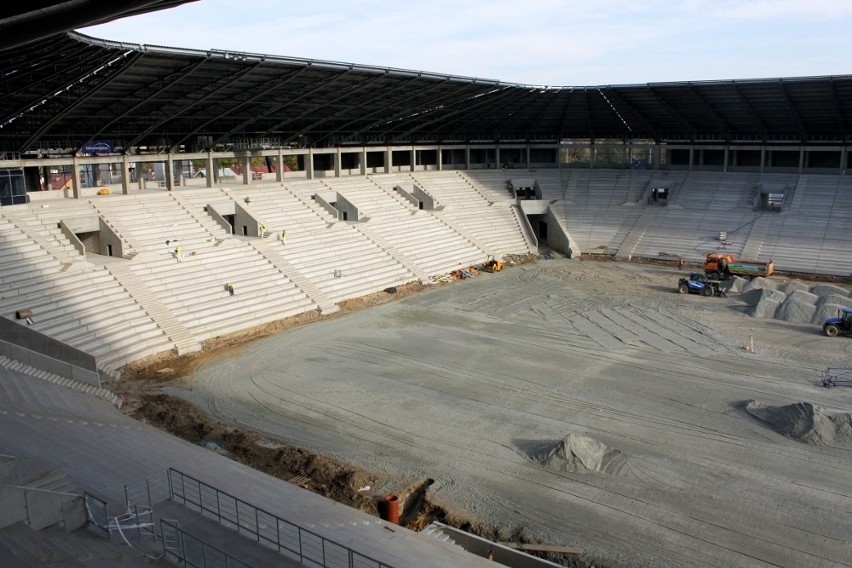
{"points": [[528, 156], [413, 159], [497, 157], [75, 178], [440, 159], [801, 159], [246, 170], [467, 157], [762, 158], [309, 163], [362, 165], [337, 162], [725, 158], [279, 166], [170, 172], [211, 165], [388, 160], [125, 175], [691, 156], [844, 160]]}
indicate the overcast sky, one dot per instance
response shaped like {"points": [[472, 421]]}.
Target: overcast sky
{"points": [[535, 42]]}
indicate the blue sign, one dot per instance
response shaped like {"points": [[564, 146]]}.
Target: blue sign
{"points": [[98, 147]]}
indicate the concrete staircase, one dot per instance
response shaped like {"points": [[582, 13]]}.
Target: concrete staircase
{"points": [[754, 243], [183, 340], [85, 388], [398, 256], [626, 249], [268, 250]]}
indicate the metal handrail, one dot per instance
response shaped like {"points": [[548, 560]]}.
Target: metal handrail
{"points": [[182, 550], [263, 525]]}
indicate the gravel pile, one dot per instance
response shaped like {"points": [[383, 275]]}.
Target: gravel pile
{"points": [[806, 423], [790, 300]]}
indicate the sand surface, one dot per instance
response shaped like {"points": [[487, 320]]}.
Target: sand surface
{"points": [[584, 403]]}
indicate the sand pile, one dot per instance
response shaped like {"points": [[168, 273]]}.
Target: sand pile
{"points": [[806, 423], [790, 300], [576, 453]]}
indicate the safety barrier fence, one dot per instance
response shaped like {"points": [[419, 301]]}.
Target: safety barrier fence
{"points": [[309, 547]]}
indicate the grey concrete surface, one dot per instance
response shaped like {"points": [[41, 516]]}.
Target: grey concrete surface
{"points": [[48, 427], [464, 384]]}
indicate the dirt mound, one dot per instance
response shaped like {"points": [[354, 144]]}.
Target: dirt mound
{"points": [[325, 475], [576, 453], [806, 423]]}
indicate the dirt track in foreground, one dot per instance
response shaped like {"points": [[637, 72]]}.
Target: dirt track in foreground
{"points": [[466, 383]]}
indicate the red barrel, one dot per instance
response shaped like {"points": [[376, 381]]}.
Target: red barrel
{"points": [[392, 509]]}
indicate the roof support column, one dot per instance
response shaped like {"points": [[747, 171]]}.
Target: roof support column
{"points": [[725, 158], [440, 159], [126, 178], [528, 156], [762, 157], [691, 156], [210, 169], [246, 169], [309, 164], [467, 157], [362, 161], [412, 159], [170, 172], [75, 178], [279, 166], [498, 164], [844, 159], [337, 162], [801, 159], [388, 159]]}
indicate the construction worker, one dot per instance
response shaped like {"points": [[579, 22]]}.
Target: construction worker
{"points": [[680, 264], [178, 254]]}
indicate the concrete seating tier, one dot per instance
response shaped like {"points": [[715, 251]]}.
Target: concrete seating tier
{"points": [[492, 225], [194, 290], [319, 246], [335, 260], [426, 241], [147, 221], [492, 183]]}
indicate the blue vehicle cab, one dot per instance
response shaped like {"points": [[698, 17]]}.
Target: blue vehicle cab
{"points": [[698, 283], [840, 324]]}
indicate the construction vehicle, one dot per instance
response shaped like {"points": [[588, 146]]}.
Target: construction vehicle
{"points": [[720, 266], [697, 283], [492, 265], [842, 323]]}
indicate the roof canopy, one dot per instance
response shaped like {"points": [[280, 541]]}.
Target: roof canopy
{"points": [[65, 90]]}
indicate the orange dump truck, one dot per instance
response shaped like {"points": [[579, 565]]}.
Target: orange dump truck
{"points": [[720, 266]]}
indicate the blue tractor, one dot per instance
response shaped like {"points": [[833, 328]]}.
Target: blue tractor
{"points": [[698, 283], [840, 324]]}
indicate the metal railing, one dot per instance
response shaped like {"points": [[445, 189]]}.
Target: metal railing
{"points": [[264, 527], [187, 550], [96, 513]]}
